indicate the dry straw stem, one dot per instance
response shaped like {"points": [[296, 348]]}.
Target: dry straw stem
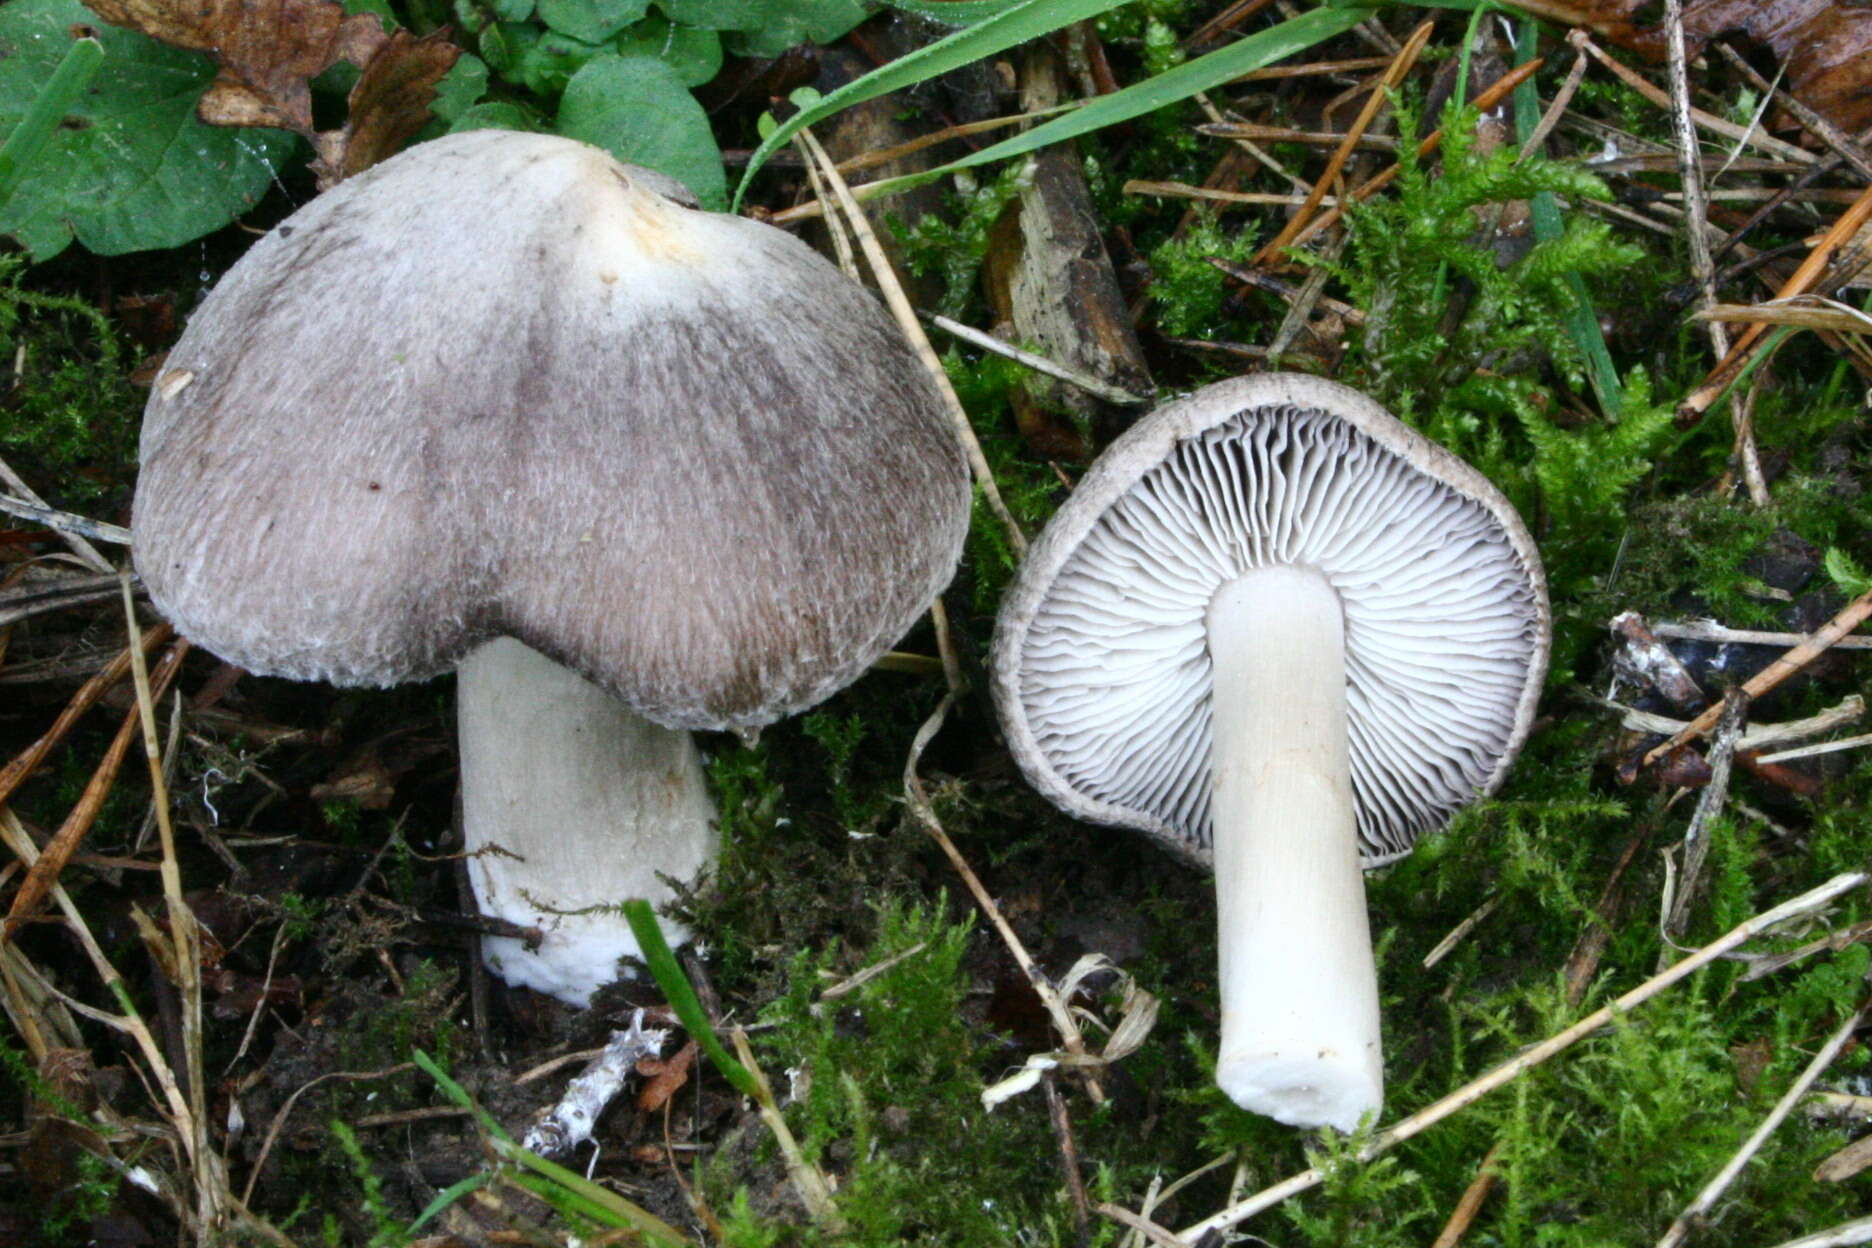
{"points": [[1706, 1199], [916, 797], [1751, 135], [1800, 656], [816, 206], [807, 1179], [1858, 1231], [1799, 283], [1801, 311], [210, 1177], [1825, 747], [71, 833], [74, 539], [1709, 630], [907, 321], [1040, 363], [1215, 195], [1756, 736], [15, 773], [1380, 96], [1510, 1070]]}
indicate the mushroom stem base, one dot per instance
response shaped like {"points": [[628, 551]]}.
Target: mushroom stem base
{"points": [[571, 804], [1299, 990]]}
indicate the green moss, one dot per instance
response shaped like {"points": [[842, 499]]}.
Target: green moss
{"points": [[70, 421], [1188, 293]]}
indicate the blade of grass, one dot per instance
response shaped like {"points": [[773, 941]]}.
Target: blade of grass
{"points": [[1015, 25], [582, 1196], [1205, 73], [1581, 320], [55, 99], [682, 995]]}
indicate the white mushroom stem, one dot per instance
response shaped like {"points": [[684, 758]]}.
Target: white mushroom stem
{"points": [[571, 805], [1299, 989]]}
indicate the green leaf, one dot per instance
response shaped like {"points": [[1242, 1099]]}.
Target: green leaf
{"points": [[1205, 73], [129, 167], [1015, 25], [695, 55], [954, 12], [495, 115], [638, 109], [57, 97], [460, 89], [682, 994], [716, 14], [789, 23], [592, 21]]}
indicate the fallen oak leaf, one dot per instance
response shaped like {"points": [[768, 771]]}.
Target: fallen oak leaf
{"points": [[388, 106], [267, 53]]}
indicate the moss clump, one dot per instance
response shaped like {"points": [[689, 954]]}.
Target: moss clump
{"points": [[69, 423]]}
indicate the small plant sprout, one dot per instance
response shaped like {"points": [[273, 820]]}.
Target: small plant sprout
{"points": [[505, 406], [1284, 635]]}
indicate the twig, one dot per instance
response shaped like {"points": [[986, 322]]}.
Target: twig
{"points": [[1693, 1212], [1801, 282], [1715, 125], [569, 1122], [1214, 195], [1556, 109], [1824, 747], [916, 797], [1379, 98], [75, 540], [907, 321], [1842, 144], [16, 772], [1709, 805], [1508, 1071], [1463, 1216], [1709, 630], [1756, 736], [71, 833], [1150, 1230], [807, 1179], [1069, 1160], [67, 523], [1039, 363], [1849, 618], [1460, 931], [1858, 1231]]}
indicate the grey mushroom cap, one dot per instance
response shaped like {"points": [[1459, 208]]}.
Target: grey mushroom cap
{"points": [[502, 385], [1101, 664]]}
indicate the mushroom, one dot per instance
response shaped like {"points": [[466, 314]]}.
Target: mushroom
{"points": [[505, 405], [1282, 634]]}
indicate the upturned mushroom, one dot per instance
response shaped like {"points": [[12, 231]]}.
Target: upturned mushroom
{"points": [[504, 405], [1284, 635]]}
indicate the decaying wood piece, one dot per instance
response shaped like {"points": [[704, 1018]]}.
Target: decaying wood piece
{"points": [[1051, 285]]}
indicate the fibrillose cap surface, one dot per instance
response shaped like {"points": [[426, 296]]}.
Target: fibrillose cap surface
{"points": [[1101, 661], [504, 385]]}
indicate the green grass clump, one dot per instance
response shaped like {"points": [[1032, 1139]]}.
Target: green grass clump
{"points": [[892, 1074]]}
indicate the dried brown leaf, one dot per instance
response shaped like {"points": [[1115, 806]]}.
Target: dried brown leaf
{"points": [[389, 104], [1826, 46], [268, 50]]}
